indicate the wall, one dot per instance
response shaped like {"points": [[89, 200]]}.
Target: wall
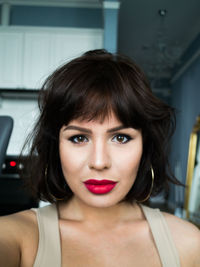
{"points": [[56, 16], [186, 99]]}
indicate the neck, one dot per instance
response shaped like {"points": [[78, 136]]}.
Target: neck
{"points": [[78, 211]]}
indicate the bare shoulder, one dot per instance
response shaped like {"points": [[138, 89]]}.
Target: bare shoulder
{"points": [[18, 223], [17, 232], [187, 239]]}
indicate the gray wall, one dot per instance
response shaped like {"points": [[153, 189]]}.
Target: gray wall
{"points": [[186, 99], [56, 16]]}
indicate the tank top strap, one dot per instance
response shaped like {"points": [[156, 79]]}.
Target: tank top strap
{"points": [[49, 250], [162, 236]]}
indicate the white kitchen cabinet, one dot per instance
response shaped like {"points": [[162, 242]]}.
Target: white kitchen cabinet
{"points": [[29, 54], [37, 59], [68, 46], [11, 59]]}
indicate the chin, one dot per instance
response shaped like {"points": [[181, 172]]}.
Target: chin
{"points": [[101, 201]]}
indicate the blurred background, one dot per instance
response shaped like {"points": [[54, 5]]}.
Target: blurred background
{"points": [[36, 36]]}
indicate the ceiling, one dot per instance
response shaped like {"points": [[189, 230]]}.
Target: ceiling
{"points": [[139, 23], [138, 27]]}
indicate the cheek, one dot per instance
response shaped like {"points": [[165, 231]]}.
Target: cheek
{"points": [[128, 163], [71, 163]]}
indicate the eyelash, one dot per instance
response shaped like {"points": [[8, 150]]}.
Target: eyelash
{"points": [[72, 139]]}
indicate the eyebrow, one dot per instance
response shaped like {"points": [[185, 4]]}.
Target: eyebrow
{"points": [[81, 129]]}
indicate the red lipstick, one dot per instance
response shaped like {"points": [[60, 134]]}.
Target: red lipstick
{"points": [[99, 186]]}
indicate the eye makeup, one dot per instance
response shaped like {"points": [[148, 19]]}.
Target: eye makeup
{"points": [[119, 138], [78, 139], [122, 138]]}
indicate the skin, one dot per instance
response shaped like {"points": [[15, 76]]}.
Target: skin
{"points": [[96, 230], [99, 151]]}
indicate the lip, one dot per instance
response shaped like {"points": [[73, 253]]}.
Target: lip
{"points": [[99, 182], [99, 186]]}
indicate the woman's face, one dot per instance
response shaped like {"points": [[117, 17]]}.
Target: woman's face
{"points": [[100, 151]]}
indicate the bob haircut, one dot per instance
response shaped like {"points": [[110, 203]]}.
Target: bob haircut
{"points": [[90, 87]]}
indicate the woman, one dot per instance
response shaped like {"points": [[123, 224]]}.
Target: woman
{"points": [[99, 150]]}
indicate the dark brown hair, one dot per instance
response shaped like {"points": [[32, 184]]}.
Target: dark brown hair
{"points": [[90, 87]]}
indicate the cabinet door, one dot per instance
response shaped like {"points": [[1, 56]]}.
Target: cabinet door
{"points": [[37, 59], [30, 55], [44, 52], [72, 43], [11, 46]]}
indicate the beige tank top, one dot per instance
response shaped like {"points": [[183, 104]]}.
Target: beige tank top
{"points": [[49, 249]]}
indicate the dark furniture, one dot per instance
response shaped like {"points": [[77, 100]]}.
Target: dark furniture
{"points": [[13, 195], [6, 126]]}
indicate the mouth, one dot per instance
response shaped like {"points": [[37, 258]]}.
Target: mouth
{"points": [[99, 182], [99, 186]]}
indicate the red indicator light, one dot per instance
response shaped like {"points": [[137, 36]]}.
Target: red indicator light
{"points": [[13, 163]]}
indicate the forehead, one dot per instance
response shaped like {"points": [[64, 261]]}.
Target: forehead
{"points": [[109, 121]]}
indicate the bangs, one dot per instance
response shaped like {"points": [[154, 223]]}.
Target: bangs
{"points": [[95, 105], [96, 96]]}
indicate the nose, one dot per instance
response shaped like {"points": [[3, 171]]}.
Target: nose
{"points": [[99, 156]]}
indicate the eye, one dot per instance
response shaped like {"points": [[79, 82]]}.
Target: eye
{"points": [[78, 139], [121, 138]]}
